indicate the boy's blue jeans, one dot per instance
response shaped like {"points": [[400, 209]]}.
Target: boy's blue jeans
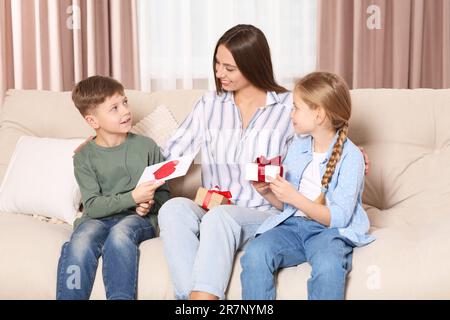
{"points": [[291, 243], [117, 240]]}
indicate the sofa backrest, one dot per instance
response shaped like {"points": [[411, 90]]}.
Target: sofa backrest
{"points": [[407, 136], [53, 115], [405, 132]]}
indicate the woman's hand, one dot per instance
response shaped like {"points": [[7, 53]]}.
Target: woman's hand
{"points": [[78, 149], [283, 190], [366, 161], [263, 188]]}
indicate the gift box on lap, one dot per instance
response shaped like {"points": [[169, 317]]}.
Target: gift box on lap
{"points": [[208, 199], [263, 168]]}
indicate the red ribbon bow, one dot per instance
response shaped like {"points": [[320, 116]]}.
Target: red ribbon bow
{"points": [[263, 162], [216, 189]]}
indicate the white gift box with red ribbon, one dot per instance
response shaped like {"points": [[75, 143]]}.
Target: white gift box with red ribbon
{"points": [[263, 169]]}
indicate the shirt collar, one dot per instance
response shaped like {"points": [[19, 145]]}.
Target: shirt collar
{"points": [[306, 145], [272, 98], [228, 96]]}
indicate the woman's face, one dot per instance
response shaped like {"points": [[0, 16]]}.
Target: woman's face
{"points": [[227, 71]]}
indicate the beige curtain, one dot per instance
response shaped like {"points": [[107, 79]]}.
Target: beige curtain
{"points": [[52, 44], [386, 43]]}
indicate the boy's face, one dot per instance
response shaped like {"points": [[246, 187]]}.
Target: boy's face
{"points": [[112, 116]]}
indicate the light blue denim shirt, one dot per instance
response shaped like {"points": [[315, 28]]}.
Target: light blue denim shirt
{"points": [[344, 196]]}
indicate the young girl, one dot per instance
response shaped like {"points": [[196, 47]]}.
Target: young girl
{"points": [[322, 217]]}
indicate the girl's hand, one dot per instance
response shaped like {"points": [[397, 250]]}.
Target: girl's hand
{"points": [[283, 190], [263, 188]]}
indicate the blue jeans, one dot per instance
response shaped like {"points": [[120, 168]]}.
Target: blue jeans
{"points": [[117, 240], [291, 243], [200, 247]]}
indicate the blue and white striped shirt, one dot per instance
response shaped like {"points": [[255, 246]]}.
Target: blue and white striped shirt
{"points": [[214, 127]]}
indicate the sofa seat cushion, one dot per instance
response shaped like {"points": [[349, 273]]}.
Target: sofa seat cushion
{"points": [[405, 262], [31, 250]]}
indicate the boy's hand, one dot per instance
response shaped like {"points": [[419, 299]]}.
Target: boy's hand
{"points": [[144, 208], [145, 191], [283, 190], [262, 188]]}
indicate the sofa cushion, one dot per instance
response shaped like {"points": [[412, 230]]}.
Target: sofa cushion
{"points": [[40, 179], [30, 250], [401, 264], [179, 102], [159, 125], [406, 134]]}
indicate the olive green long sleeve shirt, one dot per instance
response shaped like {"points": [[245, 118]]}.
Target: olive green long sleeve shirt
{"points": [[107, 176]]}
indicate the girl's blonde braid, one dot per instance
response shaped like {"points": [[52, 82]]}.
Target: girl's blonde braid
{"points": [[332, 162]]}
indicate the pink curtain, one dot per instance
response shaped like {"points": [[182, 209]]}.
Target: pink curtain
{"points": [[386, 43], [52, 44]]}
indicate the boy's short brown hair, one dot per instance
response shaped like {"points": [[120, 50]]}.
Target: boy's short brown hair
{"points": [[91, 92]]}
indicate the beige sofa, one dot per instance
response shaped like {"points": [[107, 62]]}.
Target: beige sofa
{"points": [[405, 132]]}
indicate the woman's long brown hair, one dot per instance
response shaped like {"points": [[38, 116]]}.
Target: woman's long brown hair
{"points": [[250, 50]]}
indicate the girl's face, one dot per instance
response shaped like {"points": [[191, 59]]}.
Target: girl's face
{"points": [[304, 119], [227, 71]]}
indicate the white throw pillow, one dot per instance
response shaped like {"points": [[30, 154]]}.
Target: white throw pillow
{"points": [[160, 125], [40, 179]]}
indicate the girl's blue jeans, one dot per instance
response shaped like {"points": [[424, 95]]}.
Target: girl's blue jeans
{"points": [[295, 241]]}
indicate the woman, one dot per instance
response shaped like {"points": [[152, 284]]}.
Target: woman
{"points": [[247, 117]]}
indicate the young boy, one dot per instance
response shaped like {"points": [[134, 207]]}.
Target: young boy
{"points": [[117, 215]]}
